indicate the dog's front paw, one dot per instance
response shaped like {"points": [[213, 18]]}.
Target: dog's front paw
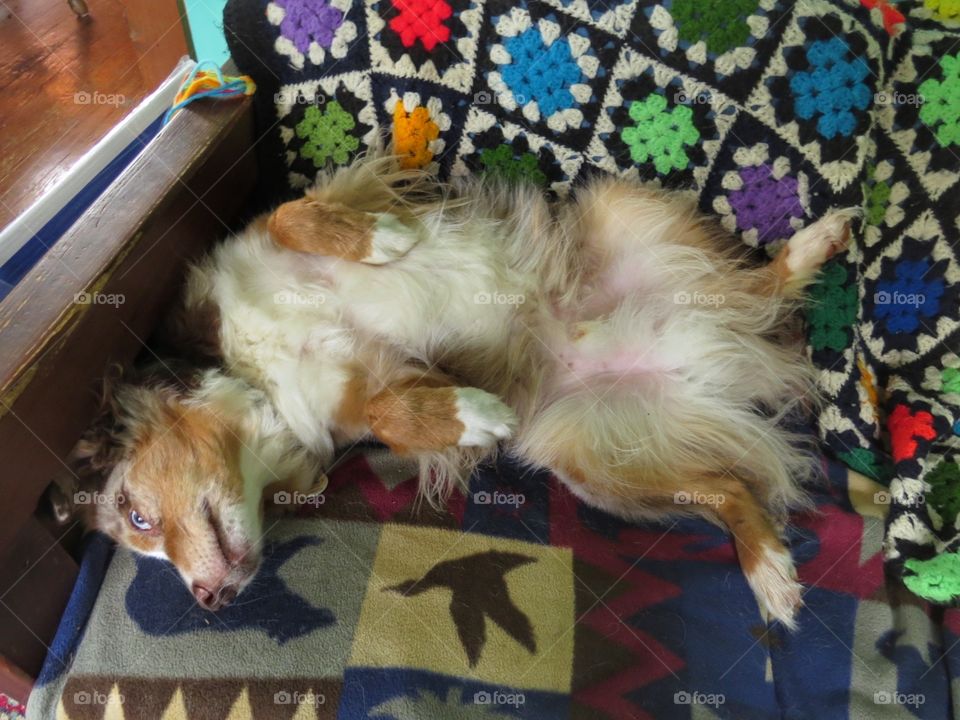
{"points": [[392, 239], [486, 419]]}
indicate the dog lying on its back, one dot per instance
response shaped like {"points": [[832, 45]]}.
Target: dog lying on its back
{"points": [[619, 339]]}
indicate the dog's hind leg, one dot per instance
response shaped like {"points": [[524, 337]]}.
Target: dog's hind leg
{"points": [[410, 417], [765, 561], [335, 230], [720, 497]]}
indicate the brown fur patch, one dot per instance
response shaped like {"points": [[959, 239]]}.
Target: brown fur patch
{"points": [[739, 511], [409, 417], [350, 417], [177, 545], [187, 451], [195, 429], [779, 276], [145, 543], [323, 228]]}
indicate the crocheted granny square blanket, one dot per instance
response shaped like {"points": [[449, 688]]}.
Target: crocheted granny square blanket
{"points": [[770, 111]]}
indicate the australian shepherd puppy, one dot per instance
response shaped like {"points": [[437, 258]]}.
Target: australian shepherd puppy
{"points": [[620, 339]]}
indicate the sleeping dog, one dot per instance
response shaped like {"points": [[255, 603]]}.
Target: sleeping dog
{"points": [[620, 339]]}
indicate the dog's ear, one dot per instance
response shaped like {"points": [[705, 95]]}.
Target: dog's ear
{"points": [[100, 448]]}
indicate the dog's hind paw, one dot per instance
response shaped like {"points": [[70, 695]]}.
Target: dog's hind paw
{"points": [[486, 419], [773, 580], [815, 244]]}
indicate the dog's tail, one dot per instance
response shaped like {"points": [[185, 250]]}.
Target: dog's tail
{"points": [[379, 181]]}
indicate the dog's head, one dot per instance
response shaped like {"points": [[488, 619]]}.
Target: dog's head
{"points": [[183, 470]]}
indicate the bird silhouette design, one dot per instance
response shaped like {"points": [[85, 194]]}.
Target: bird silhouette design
{"points": [[478, 589], [160, 604]]}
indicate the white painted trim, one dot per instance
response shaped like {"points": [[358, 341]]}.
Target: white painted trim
{"points": [[30, 221]]}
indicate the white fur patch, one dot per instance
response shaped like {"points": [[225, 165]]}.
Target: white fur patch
{"points": [[486, 420], [391, 240], [159, 554], [774, 582]]}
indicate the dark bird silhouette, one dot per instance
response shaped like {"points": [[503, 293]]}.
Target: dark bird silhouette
{"points": [[160, 604], [479, 590]]}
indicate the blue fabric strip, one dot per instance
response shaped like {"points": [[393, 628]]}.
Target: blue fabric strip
{"points": [[26, 257], [97, 553]]}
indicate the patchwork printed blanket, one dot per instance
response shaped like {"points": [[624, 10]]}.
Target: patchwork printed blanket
{"points": [[769, 111], [515, 601]]}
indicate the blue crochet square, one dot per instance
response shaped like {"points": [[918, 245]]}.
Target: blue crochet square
{"points": [[544, 70]]}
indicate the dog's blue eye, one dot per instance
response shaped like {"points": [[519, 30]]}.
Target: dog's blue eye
{"points": [[137, 520]]}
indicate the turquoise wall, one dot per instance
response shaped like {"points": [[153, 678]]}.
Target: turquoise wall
{"points": [[206, 28]]}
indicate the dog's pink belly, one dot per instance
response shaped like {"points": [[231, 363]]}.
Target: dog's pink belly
{"points": [[613, 283], [620, 362], [592, 354]]}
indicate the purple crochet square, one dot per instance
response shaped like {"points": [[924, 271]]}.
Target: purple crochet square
{"points": [[766, 204], [306, 21]]}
